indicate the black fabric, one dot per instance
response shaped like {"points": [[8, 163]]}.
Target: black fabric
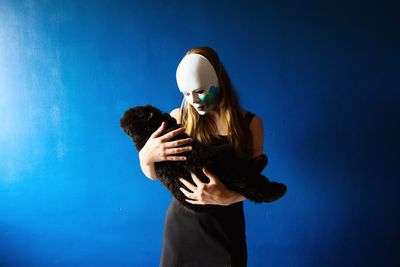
{"points": [[213, 239], [248, 117]]}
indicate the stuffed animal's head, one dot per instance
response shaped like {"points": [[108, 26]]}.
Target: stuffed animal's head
{"points": [[141, 121]]}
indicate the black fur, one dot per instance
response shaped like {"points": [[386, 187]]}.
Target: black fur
{"points": [[237, 173]]}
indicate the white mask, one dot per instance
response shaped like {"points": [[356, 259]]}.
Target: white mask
{"points": [[198, 81]]}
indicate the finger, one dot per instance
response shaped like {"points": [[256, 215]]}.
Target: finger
{"points": [[175, 158], [179, 142], [172, 151], [188, 184], [187, 193], [211, 176], [196, 180], [158, 131], [171, 134], [195, 202]]}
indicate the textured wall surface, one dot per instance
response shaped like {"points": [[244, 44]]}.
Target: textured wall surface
{"points": [[323, 77]]}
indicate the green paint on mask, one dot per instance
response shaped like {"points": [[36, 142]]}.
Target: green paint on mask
{"points": [[212, 96]]}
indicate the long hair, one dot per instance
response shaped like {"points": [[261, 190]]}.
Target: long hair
{"points": [[203, 128]]}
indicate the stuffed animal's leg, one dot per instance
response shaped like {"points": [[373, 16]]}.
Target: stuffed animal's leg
{"points": [[260, 189]]}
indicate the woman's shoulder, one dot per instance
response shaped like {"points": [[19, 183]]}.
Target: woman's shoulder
{"points": [[176, 114], [246, 112], [257, 131], [250, 117], [255, 123]]}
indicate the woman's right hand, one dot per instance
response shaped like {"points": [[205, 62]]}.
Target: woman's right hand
{"points": [[159, 148]]}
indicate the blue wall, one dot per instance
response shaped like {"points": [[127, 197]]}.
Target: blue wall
{"points": [[324, 78]]}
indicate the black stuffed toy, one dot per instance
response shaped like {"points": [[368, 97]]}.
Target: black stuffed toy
{"points": [[235, 172]]}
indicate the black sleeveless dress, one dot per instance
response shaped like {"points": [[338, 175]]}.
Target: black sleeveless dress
{"points": [[210, 239]]}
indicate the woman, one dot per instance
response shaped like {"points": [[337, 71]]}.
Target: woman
{"points": [[210, 113]]}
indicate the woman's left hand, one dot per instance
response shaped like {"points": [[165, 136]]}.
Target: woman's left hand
{"points": [[213, 192]]}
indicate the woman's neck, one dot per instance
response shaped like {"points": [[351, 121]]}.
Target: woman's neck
{"points": [[216, 118], [219, 121]]}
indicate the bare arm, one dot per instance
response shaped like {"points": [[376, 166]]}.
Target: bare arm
{"points": [[257, 134], [159, 148], [215, 191], [148, 170]]}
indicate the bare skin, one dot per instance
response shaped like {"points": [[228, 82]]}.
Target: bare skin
{"points": [[213, 192], [159, 148]]}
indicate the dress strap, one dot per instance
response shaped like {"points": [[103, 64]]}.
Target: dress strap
{"points": [[248, 117]]}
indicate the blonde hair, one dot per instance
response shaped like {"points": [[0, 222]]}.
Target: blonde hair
{"points": [[203, 128]]}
